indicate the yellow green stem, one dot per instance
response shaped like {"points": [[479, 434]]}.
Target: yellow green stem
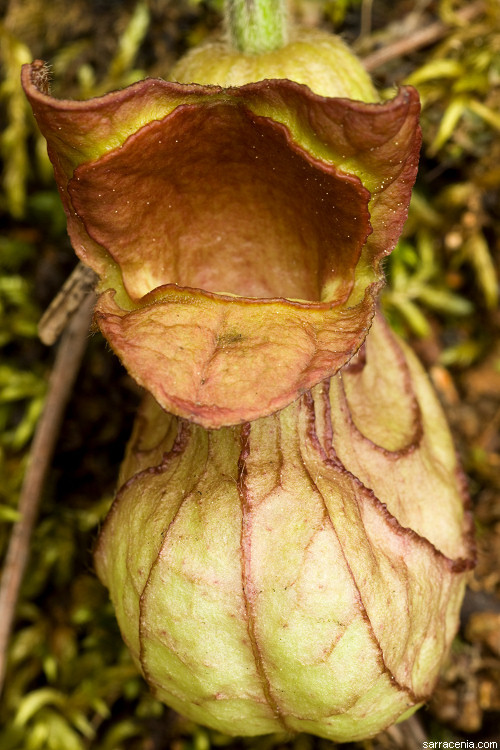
{"points": [[256, 26]]}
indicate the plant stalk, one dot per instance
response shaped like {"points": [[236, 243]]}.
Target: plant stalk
{"points": [[256, 26]]}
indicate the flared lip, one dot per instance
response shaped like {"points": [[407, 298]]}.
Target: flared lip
{"points": [[155, 296], [326, 332]]}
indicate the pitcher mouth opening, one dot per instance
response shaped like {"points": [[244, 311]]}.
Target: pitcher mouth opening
{"points": [[221, 200]]}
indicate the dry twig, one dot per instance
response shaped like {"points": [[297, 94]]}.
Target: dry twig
{"points": [[68, 358], [60, 310], [409, 734], [422, 38]]}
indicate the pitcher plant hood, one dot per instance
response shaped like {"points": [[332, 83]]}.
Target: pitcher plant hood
{"points": [[237, 232]]}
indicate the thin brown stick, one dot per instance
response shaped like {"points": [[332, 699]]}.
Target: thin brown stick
{"points": [[68, 359], [74, 290], [422, 38], [366, 19], [409, 734]]}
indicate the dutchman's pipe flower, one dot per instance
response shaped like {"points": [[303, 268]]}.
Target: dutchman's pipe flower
{"points": [[302, 567]]}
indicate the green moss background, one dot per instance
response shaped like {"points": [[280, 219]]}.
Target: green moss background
{"points": [[70, 683]]}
